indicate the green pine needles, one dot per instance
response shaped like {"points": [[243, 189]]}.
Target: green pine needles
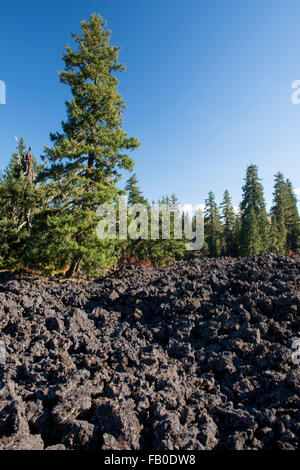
{"points": [[87, 157]]}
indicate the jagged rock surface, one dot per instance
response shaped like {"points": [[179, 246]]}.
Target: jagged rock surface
{"points": [[193, 356]]}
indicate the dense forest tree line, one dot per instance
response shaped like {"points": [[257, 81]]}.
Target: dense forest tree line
{"points": [[48, 210], [251, 230]]}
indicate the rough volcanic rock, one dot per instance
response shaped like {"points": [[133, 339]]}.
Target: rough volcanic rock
{"points": [[193, 356]]}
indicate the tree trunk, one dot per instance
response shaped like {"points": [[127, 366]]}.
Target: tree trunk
{"points": [[91, 159], [73, 269]]}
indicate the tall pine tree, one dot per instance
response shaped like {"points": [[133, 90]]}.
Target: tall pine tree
{"points": [[254, 219], [285, 217], [228, 219], [137, 249], [87, 156], [212, 227], [278, 229], [292, 220]]}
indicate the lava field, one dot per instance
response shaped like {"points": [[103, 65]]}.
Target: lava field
{"points": [[197, 356]]}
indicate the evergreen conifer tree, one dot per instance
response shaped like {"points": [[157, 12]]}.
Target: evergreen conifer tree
{"points": [[137, 249], [212, 226], [228, 219], [285, 217], [278, 231], [236, 236], [87, 156], [292, 220], [21, 199], [134, 193], [165, 250], [254, 219]]}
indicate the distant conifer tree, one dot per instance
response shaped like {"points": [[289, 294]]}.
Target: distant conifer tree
{"points": [[212, 226], [254, 219]]}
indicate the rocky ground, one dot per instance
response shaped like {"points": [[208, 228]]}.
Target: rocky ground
{"points": [[194, 356]]}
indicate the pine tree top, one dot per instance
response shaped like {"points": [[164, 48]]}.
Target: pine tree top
{"points": [[92, 146]]}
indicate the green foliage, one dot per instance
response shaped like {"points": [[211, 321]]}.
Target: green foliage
{"points": [[134, 193], [86, 158], [254, 220], [173, 249], [228, 219], [136, 249], [251, 237], [212, 227], [278, 231], [21, 200], [277, 234], [291, 219], [236, 236], [285, 217], [160, 251]]}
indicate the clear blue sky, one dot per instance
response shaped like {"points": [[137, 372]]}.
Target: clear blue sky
{"points": [[207, 85]]}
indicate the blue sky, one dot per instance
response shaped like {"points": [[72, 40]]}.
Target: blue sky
{"points": [[207, 85]]}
